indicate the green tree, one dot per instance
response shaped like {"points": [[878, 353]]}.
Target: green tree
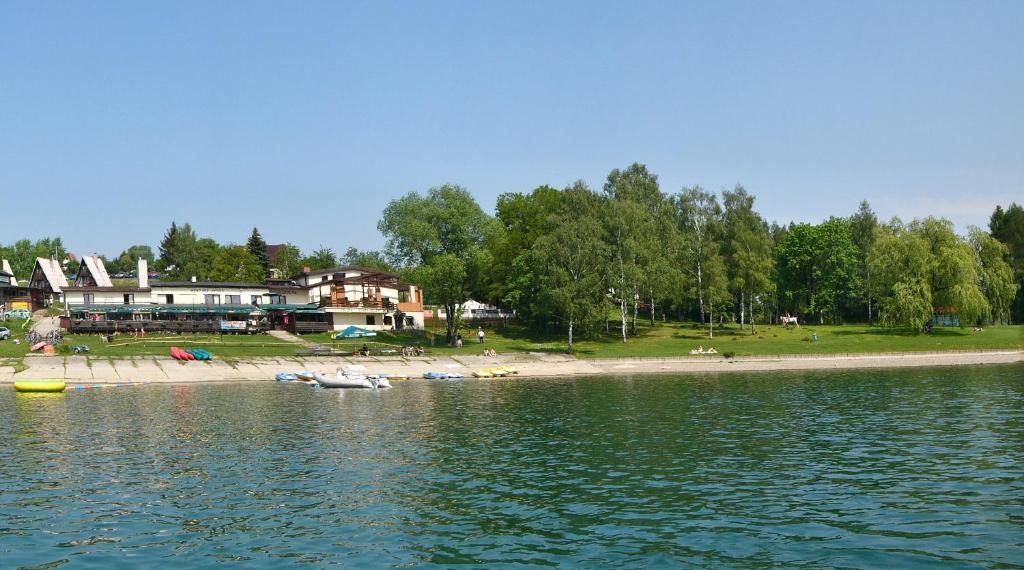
{"points": [[716, 284], [22, 254], [178, 252], [258, 248], [1008, 227], [438, 238], [321, 258], [996, 275], [367, 259], [699, 219], [862, 230], [236, 263], [572, 259], [818, 268], [288, 261]]}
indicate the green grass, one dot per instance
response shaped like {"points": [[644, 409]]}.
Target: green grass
{"points": [[677, 339], [224, 346]]}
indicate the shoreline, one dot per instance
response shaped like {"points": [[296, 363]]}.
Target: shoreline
{"points": [[153, 369]]}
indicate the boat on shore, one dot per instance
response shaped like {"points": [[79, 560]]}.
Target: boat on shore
{"points": [[39, 386]]}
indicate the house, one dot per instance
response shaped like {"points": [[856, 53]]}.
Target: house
{"points": [[364, 297], [13, 296], [477, 311], [47, 282], [94, 304], [331, 299]]}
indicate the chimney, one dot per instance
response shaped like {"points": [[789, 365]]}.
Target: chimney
{"points": [[193, 278], [7, 267], [143, 273]]}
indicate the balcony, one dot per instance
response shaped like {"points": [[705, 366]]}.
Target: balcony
{"points": [[358, 306]]}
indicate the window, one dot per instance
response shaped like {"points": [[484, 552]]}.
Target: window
{"points": [[371, 320], [256, 299], [88, 298], [232, 299], [129, 298], [212, 299], [168, 299], [276, 299], [323, 279], [387, 320]]}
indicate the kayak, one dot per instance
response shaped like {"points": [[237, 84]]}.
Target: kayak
{"points": [[435, 375], [177, 353], [483, 373], [37, 346], [287, 377], [39, 386]]}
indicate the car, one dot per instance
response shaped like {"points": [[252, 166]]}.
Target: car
{"points": [[18, 314], [5, 333]]}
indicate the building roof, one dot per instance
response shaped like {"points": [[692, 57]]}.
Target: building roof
{"points": [[342, 269], [111, 289], [5, 274], [207, 284]]}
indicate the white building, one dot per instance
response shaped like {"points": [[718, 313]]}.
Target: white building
{"points": [[477, 311], [368, 298], [331, 299]]}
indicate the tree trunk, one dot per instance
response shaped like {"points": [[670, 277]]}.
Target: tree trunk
{"points": [[742, 308], [622, 298], [700, 292], [652, 310], [711, 321], [451, 323], [570, 335], [753, 327], [636, 310]]}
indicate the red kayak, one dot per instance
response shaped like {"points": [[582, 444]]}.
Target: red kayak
{"points": [[187, 355], [176, 353]]}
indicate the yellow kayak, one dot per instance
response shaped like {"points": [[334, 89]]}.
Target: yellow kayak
{"points": [[39, 386], [498, 371], [482, 373]]}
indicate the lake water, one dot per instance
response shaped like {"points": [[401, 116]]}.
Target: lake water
{"points": [[858, 469]]}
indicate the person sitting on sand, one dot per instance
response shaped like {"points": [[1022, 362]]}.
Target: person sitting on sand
{"points": [[712, 350]]}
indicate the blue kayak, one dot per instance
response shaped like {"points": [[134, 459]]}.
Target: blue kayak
{"points": [[286, 377], [435, 375]]}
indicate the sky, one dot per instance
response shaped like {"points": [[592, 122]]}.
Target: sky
{"points": [[305, 118]]}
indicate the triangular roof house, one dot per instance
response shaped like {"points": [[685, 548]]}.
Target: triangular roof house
{"points": [[6, 266], [92, 273], [48, 276]]}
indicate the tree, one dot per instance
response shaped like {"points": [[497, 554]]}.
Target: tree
{"points": [[321, 258], [716, 284], [818, 268], [1008, 227], [752, 255], [572, 259], [129, 259], [438, 238], [699, 218], [367, 259], [236, 263], [922, 266], [22, 254], [258, 248], [178, 252], [288, 260], [862, 230], [996, 275]]}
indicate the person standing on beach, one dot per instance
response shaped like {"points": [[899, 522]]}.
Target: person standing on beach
{"points": [[480, 335]]}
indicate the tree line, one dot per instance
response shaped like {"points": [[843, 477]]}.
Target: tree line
{"points": [[584, 261]]}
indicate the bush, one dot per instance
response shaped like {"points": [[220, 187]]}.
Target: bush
{"points": [[728, 354]]}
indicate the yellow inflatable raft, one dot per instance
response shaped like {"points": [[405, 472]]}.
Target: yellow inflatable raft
{"points": [[39, 386], [482, 373]]}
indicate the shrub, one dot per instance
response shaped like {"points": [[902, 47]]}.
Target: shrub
{"points": [[728, 354]]}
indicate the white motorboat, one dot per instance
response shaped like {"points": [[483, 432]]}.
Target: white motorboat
{"points": [[344, 379]]}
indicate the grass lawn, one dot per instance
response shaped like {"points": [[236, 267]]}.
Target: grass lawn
{"points": [[229, 346], [677, 339]]}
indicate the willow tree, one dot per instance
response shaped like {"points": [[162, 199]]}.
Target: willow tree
{"points": [[995, 276], [438, 240]]}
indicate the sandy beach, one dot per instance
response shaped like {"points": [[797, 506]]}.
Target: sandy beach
{"points": [[80, 369]]}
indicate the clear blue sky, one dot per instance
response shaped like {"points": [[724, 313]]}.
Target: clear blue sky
{"points": [[305, 118]]}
